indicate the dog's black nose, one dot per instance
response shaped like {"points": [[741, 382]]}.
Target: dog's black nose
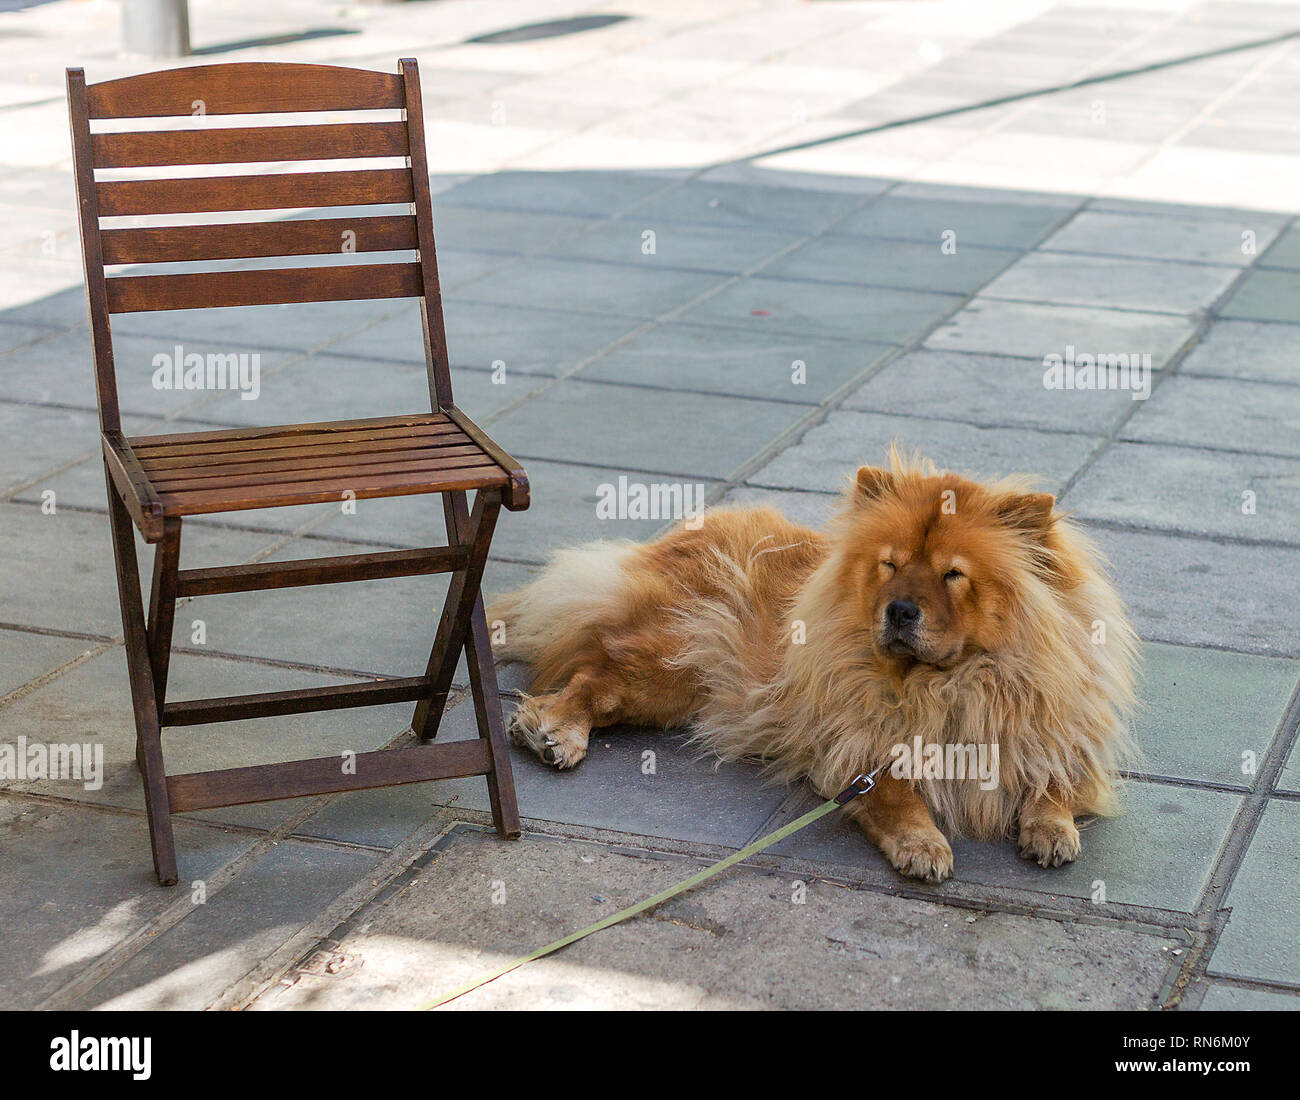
{"points": [[900, 614]]}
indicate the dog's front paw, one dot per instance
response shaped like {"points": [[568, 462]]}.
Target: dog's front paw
{"points": [[1050, 843], [923, 854], [562, 745]]}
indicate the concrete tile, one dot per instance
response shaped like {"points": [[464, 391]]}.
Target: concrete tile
{"points": [[714, 359], [1259, 941], [625, 426], [1226, 998], [477, 228], [586, 194], [1033, 330], [711, 949], [1265, 296], [725, 249], [25, 656], [1213, 412], [563, 512], [1158, 853], [627, 290], [529, 341], [1196, 591], [1284, 253], [1117, 284], [833, 450], [811, 509], [1151, 127], [786, 306], [190, 964], [987, 390], [75, 882], [1202, 709], [1006, 225], [1191, 491], [683, 798], [1200, 240], [1258, 351], [719, 203], [36, 440], [906, 264]]}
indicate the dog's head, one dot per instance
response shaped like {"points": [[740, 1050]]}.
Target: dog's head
{"points": [[934, 561]]}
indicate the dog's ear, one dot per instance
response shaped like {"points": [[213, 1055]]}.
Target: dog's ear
{"points": [[1028, 512], [872, 483]]}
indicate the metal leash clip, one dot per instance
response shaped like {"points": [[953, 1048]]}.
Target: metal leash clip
{"points": [[861, 785]]}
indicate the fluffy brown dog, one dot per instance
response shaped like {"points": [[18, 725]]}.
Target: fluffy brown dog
{"points": [[936, 608]]}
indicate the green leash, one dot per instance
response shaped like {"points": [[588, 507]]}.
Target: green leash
{"points": [[860, 785]]}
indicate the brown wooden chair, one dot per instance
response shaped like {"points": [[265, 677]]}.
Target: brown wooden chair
{"points": [[157, 480]]}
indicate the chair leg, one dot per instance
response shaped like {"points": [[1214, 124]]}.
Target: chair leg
{"points": [[465, 606], [162, 607], [143, 699]]}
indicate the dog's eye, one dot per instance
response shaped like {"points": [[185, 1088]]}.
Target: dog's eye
{"points": [[953, 574], [889, 565]]}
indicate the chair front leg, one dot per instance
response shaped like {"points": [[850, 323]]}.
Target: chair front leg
{"points": [[143, 698], [162, 606]]}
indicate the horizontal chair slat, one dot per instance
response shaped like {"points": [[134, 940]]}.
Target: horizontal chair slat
{"points": [[237, 708], [246, 240], [253, 87], [273, 286], [277, 191], [181, 481], [283, 435], [309, 571], [200, 501], [248, 144], [325, 775], [229, 460]]}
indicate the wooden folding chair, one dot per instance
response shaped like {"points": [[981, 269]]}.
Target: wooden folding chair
{"points": [[155, 481]]}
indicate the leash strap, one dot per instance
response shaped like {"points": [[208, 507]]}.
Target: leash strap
{"points": [[860, 785]]}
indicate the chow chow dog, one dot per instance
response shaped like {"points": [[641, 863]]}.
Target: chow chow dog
{"points": [[934, 607]]}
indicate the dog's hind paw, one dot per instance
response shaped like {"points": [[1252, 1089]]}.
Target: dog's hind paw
{"points": [[532, 726], [1050, 843], [924, 855]]}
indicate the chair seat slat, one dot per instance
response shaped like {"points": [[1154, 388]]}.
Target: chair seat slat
{"points": [[178, 481]]}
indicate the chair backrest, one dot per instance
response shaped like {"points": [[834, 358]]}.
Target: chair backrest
{"points": [[252, 88]]}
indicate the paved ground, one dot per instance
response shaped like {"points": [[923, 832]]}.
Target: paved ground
{"points": [[791, 225]]}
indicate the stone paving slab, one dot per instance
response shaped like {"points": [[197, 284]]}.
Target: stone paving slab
{"points": [[1032, 330], [727, 250], [1227, 998], [1259, 941], [1191, 490], [1211, 412], [1008, 224], [1246, 349], [24, 656], [710, 949], [1149, 236], [1265, 295], [830, 452], [989, 391]]}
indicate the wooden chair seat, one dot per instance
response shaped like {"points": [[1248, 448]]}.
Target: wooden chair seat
{"points": [[198, 473]]}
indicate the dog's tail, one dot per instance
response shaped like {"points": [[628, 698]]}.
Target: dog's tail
{"points": [[548, 619]]}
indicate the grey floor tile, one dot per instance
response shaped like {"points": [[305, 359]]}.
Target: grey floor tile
{"points": [[1247, 349], [1285, 251], [830, 452], [719, 203], [1190, 490], [1117, 284], [987, 390], [626, 290], [784, 306], [725, 249], [1226, 998], [723, 360], [1157, 853], [1008, 225], [482, 335], [25, 656], [1226, 413], [811, 509], [477, 228], [909, 265], [586, 194], [627, 426], [683, 798], [1289, 779], [36, 440], [1196, 591], [1114, 125], [190, 964], [1033, 331], [1202, 710], [1203, 240], [1265, 296], [76, 881], [1260, 941]]}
